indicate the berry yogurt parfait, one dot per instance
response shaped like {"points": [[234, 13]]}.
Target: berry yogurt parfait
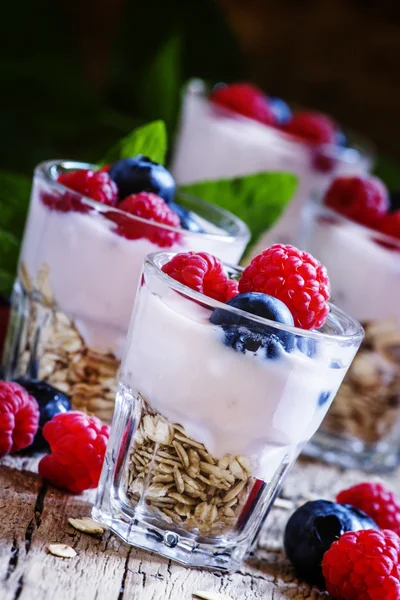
{"points": [[87, 233], [226, 375], [357, 236], [240, 131]]}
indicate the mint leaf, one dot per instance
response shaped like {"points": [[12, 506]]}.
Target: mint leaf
{"points": [[257, 199], [149, 140]]}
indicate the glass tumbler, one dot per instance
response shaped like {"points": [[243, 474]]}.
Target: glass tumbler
{"points": [[77, 277], [230, 145], [209, 418], [362, 428]]}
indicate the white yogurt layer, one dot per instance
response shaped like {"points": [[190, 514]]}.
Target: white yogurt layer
{"points": [[231, 402], [364, 276], [94, 272], [229, 147]]}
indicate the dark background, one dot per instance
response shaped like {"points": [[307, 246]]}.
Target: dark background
{"points": [[78, 74]]}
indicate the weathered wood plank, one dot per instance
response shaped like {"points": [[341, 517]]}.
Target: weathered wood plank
{"points": [[34, 515]]}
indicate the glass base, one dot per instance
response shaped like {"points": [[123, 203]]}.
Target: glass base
{"points": [[352, 453], [184, 549]]}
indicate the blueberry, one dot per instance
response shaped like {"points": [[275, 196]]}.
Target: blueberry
{"points": [[323, 398], [395, 201], [188, 221], [341, 139], [140, 174], [281, 110], [51, 402], [243, 334], [312, 529], [307, 346]]}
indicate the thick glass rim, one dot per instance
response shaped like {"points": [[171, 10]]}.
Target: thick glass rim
{"points": [[155, 260], [48, 170], [361, 148], [373, 234]]}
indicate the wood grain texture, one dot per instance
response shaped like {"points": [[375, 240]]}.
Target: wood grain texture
{"points": [[34, 515]]}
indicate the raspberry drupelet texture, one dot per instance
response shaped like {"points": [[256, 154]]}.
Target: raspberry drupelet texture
{"points": [[377, 501], [96, 185], [363, 565], [313, 127], [363, 199], [245, 99], [203, 273], [19, 418], [294, 277], [78, 444], [151, 207]]}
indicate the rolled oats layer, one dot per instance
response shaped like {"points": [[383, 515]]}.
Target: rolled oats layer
{"points": [[180, 480], [367, 405], [53, 350]]}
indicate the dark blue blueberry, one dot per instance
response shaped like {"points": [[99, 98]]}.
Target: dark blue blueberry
{"points": [[313, 528], [341, 139], [51, 402], [395, 201], [243, 334], [323, 398], [140, 174], [281, 110], [188, 220], [307, 346]]}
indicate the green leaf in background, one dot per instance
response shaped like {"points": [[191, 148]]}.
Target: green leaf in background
{"points": [[14, 200], [149, 140], [9, 249], [257, 199], [388, 170]]}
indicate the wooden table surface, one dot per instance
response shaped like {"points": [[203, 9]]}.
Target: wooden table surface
{"points": [[34, 514]]}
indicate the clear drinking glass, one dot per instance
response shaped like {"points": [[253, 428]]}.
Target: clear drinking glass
{"points": [[362, 427], [203, 434], [77, 278], [230, 145]]}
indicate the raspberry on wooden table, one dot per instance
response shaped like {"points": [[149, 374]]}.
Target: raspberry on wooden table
{"points": [[363, 565], [294, 277], [19, 418], [151, 207], [78, 444], [245, 99], [377, 501], [203, 273]]}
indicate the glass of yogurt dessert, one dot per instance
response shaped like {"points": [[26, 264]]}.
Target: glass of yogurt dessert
{"points": [[218, 393], [240, 131], [87, 233], [357, 236]]}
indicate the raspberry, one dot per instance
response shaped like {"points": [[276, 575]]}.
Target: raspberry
{"points": [[363, 565], [294, 277], [78, 444], [95, 185], [375, 500], [363, 199], [203, 273], [390, 224], [151, 207], [245, 99], [19, 418], [312, 127]]}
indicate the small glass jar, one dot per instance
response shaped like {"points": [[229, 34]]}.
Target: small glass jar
{"points": [[230, 145], [209, 418], [362, 428], [78, 273]]}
